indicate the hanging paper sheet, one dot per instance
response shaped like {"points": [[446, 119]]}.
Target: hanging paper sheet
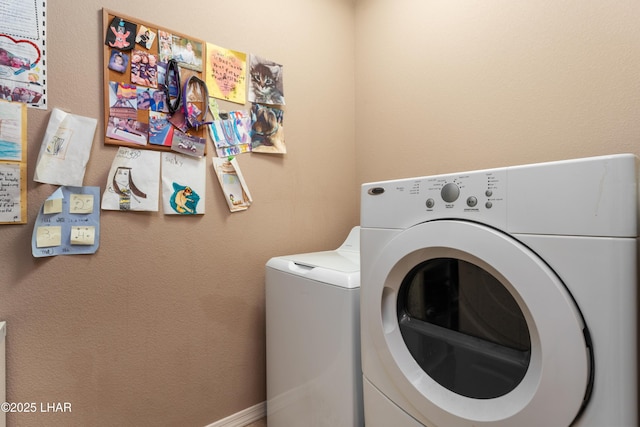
{"points": [[234, 187], [267, 81], [13, 193], [226, 75], [65, 149], [231, 135], [267, 129], [183, 184], [68, 223], [133, 181]]}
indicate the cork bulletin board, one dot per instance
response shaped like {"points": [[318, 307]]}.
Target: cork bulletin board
{"points": [[138, 58]]}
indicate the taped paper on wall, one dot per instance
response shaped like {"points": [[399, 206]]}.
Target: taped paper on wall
{"points": [[234, 187], [65, 149], [68, 223], [133, 181], [183, 184]]}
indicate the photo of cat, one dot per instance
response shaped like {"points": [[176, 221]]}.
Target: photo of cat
{"points": [[267, 130], [267, 82]]}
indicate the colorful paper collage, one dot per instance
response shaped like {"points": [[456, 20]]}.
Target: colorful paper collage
{"points": [[231, 135]]}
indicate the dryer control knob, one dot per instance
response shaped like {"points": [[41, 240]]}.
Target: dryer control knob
{"points": [[450, 192]]}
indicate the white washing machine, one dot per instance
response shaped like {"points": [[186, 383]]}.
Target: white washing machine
{"points": [[502, 297], [314, 375]]}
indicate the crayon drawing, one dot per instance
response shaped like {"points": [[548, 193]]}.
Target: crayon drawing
{"points": [[12, 130]]}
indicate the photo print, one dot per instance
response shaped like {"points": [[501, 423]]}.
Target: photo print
{"points": [[187, 52], [165, 40], [118, 61], [12, 60], [21, 71], [121, 34], [144, 68], [143, 98], [267, 130], [145, 37], [123, 123], [190, 145], [160, 129], [267, 82], [159, 101]]}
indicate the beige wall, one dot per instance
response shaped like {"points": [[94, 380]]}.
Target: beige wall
{"points": [[164, 325], [446, 86]]}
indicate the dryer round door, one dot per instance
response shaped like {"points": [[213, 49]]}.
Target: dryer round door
{"points": [[473, 328]]}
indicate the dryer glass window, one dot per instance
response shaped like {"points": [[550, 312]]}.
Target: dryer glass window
{"points": [[464, 328]]}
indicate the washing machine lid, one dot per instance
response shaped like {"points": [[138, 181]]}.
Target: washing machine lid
{"points": [[340, 267], [555, 385], [331, 267]]}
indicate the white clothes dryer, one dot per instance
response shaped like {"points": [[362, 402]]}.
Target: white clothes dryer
{"points": [[502, 297]]}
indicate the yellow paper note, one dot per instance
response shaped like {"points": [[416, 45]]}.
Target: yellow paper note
{"points": [[52, 206], [227, 71], [83, 235], [81, 204], [49, 236]]}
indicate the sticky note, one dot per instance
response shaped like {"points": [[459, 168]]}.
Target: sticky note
{"points": [[81, 203], [83, 235], [49, 236], [52, 206]]}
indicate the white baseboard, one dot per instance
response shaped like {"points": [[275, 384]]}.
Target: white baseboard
{"points": [[244, 417]]}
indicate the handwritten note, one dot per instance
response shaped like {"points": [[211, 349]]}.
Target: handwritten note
{"points": [[49, 236], [83, 235], [226, 78], [10, 193], [81, 204]]}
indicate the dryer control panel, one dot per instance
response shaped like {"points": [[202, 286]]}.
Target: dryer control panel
{"points": [[478, 196], [466, 192], [594, 196]]}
